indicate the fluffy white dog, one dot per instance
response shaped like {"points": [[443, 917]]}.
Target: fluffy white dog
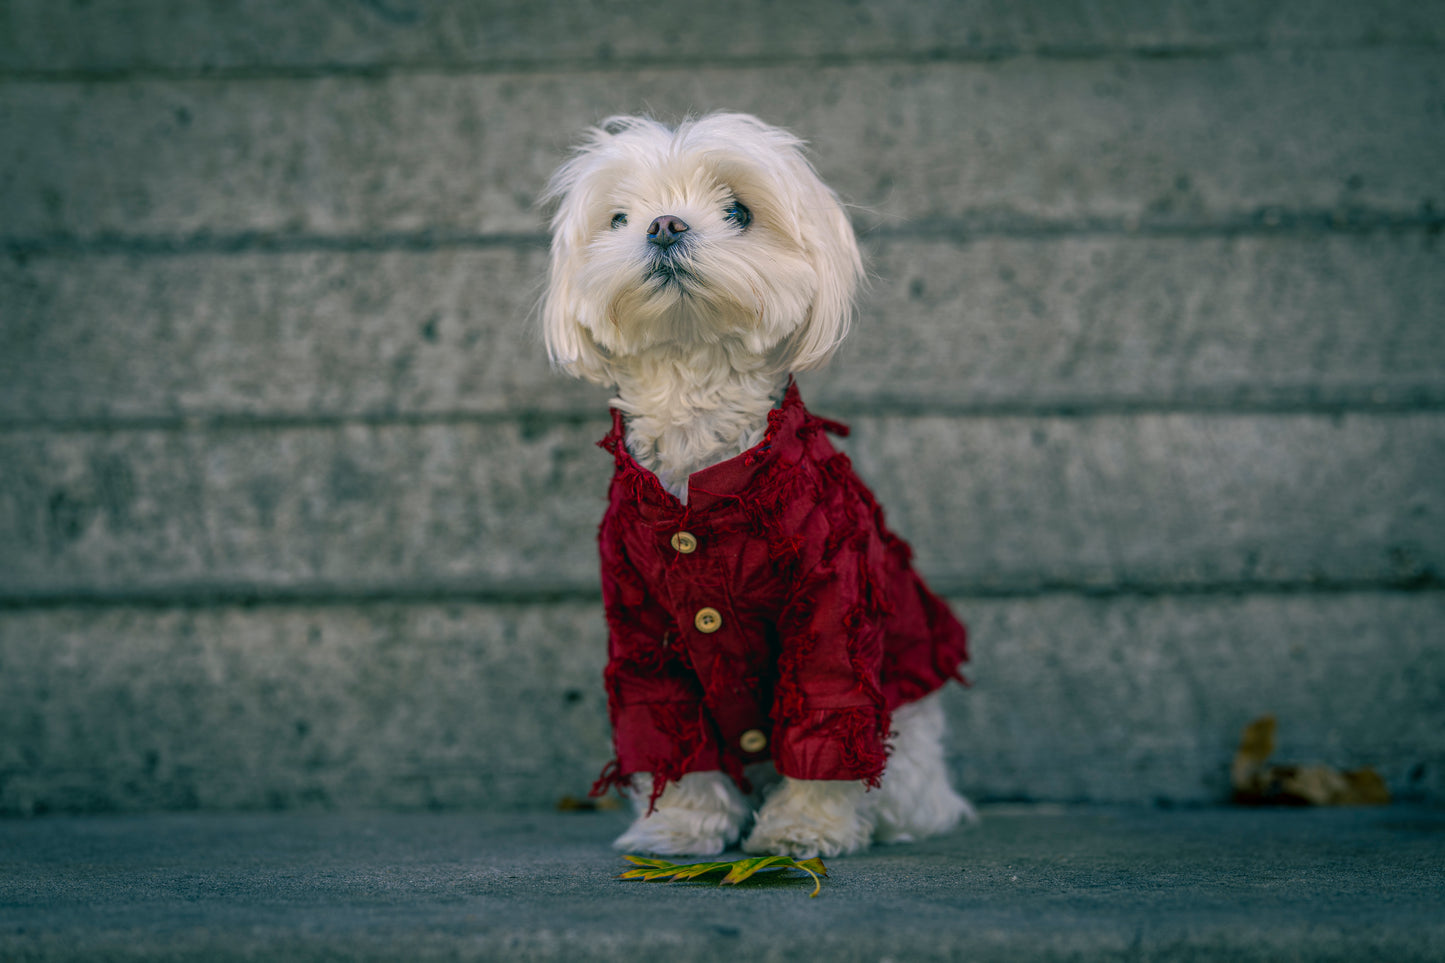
{"points": [[696, 269]]}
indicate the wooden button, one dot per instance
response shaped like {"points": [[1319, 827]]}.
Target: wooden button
{"points": [[707, 620], [685, 542], [753, 740]]}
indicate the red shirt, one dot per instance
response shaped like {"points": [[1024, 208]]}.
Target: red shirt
{"points": [[774, 615]]}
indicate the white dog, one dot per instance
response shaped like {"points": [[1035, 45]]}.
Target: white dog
{"points": [[761, 615]]}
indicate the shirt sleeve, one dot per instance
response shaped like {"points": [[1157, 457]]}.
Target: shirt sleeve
{"points": [[830, 714], [659, 723]]}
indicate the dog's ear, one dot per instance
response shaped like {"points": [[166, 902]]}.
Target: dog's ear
{"points": [[832, 248], [570, 345]]}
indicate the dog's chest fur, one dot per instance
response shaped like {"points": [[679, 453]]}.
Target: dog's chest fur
{"points": [[688, 408]]}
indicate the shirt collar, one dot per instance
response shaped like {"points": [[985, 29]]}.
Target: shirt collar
{"points": [[729, 480]]}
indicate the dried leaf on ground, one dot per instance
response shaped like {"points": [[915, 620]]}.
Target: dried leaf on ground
{"points": [[1257, 783], [736, 871], [1256, 745]]}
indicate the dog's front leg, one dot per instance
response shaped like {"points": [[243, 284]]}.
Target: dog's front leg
{"points": [[813, 817], [701, 813]]}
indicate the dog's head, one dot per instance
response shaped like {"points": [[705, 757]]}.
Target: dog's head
{"points": [[718, 232]]}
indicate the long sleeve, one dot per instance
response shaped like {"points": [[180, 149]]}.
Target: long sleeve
{"points": [[659, 722], [830, 714]]}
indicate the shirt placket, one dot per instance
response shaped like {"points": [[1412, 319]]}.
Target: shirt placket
{"points": [[712, 633]]}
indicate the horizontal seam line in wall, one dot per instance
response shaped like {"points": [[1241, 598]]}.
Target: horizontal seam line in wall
{"points": [[248, 596], [1265, 222], [630, 64], [263, 243], [536, 421]]}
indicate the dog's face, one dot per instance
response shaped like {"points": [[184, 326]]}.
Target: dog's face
{"points": [[719, 232]]}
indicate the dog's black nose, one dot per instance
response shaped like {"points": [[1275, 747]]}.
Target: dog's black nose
{"points": [[665, 230]]}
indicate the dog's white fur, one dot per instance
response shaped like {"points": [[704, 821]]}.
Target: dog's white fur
{"points": [[700, 338]]}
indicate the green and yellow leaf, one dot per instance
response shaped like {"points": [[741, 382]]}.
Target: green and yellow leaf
{"points": [[644, 861], [735, 871], [744, 868]]}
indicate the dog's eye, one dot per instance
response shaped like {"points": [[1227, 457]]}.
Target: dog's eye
{"points": [[619, 219], [738, 213]]}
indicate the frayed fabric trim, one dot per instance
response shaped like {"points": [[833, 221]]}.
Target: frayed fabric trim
{"points": [[609, 778]]}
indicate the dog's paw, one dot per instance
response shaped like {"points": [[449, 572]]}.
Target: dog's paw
{"points": [[805, 818], [676, 834], [701, 814]]}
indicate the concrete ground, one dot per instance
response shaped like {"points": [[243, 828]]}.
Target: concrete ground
{"points": [[1030, 883]]}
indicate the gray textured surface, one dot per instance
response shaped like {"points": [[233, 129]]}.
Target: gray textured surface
{"points": [[125, 35], [1179, 141], [409, 706], [293, 514], [1292, 320], [429, 704], [997, 504], [1113, 884]]}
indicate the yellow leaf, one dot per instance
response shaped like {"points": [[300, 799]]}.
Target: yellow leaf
{"points": [[698, 869], [1256, 745], [1258, 783], [736, 871], [744, 868]]}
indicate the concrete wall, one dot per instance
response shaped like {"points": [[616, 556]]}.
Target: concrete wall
{"points": [[292, 512]]}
